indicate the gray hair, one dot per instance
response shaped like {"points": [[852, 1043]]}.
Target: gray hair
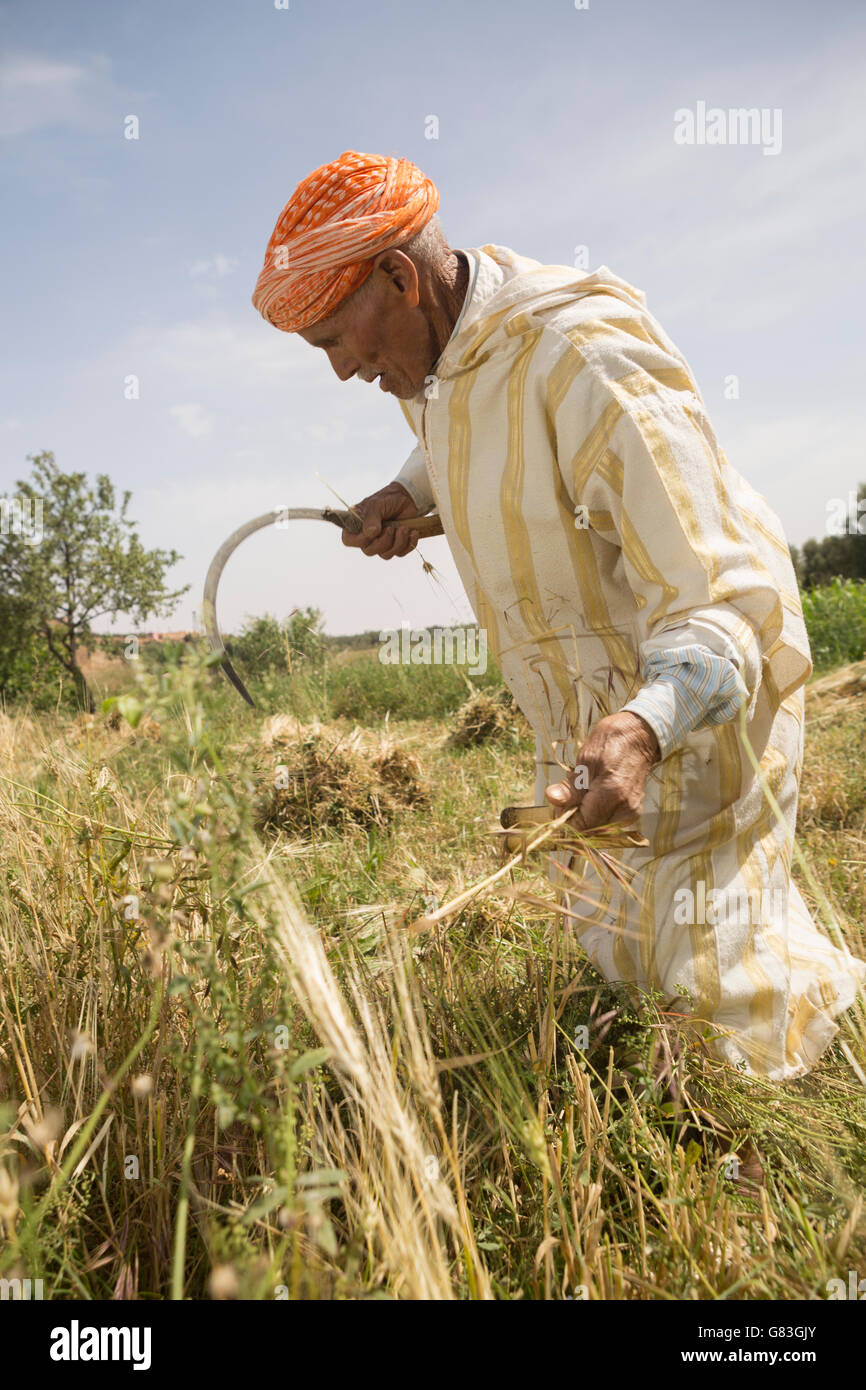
{"points": [[430, 244], [428, 247]]}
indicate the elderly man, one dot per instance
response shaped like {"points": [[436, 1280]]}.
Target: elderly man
{"points": [[637, 593]]}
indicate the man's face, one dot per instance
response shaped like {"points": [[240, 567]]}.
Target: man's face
{"points": [[381, 332]]}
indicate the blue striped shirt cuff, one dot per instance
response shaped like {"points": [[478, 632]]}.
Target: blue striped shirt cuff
{"points": [[687, 688]]}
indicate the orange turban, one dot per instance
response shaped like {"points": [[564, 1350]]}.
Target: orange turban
{"points": [[338, 218]]}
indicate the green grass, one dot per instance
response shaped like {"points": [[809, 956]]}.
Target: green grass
{"points": [[204, 1095], [836, 622], [364, 689]]}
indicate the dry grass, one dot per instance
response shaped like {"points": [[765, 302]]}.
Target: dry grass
{"points": [[321, 778], [226, 1069], [833, 796], [486, 716]]}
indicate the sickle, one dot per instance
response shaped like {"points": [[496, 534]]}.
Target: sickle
{"points": [[347, 521]]}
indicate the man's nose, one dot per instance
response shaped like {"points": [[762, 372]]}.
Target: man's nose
{"points": [[344, 365]]}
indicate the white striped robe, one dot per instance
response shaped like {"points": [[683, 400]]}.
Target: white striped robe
{"points": [[594, 521]]}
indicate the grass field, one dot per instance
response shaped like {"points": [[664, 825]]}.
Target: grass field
{"points": [[227, 1069]]}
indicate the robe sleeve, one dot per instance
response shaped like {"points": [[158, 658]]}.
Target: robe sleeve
{"points": [[703, 556], [686, 688], [413, 477]]}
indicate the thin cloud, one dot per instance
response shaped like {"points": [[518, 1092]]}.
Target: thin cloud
{"points": [[193, 419], [216, 268], [38, 92]]}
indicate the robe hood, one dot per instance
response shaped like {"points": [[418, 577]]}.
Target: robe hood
{"points": [[505, 284]]}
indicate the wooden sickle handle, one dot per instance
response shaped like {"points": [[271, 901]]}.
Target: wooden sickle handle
{"points": [[429, 525]]}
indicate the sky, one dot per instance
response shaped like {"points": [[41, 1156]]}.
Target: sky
{"points": [[555, 129]]}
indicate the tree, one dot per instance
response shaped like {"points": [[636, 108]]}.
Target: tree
{"points": [[265, 644], [69, 554], [24, 656], [842, 554]]}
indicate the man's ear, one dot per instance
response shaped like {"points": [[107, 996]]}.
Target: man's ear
{"points": [[402, 274]]}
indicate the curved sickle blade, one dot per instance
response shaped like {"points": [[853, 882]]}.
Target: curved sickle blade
{"points": [[430, 525], [345, 520]]}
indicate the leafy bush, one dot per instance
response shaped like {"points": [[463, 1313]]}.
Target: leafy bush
{"points": [[28, 672], [266, 644], [836, 622]]}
